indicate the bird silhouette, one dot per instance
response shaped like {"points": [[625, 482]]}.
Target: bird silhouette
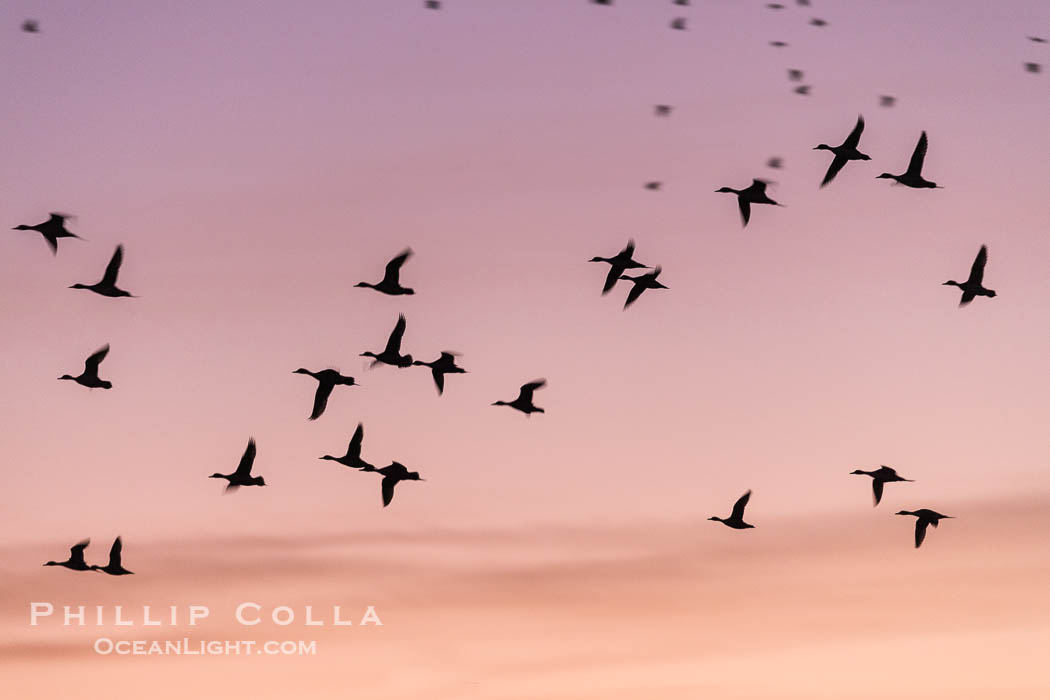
{"points": [[243, 475], [662, 110], [390, 283], [774, 6], [912, 177], [641, 283], [887, 100], [736, 519], [618, 264], [76, 558], [392, 474], [973, 286], [803, 90], [602, 2], [684, 3], [1037, 39], [775, 162], [818, 22], [113, 568], [879, 477], [844, 152], [391, 354], [755, 193], [327, 379], [432, 5], [31, 26], [795, 75], [679, 23], [654, 185], [445, 364], [1033, 67], [524, 401], [778, 44], [924, 518], [89, 377], [107, 286], [352, 458], [52, 229]]}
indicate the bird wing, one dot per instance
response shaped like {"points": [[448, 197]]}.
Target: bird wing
{"points": [[628, 249], [738, 507], [324, 390], [526, 390], [114, 553], [52, 242], [613, 277], [745, 209], [854, 136], [967, 297], [833, 169], [632, 296], [110, 275], [918, 156], [389, 482], [247, 459], [393, 344], [920, 531], [231, 487], [353, 450], [91, 364], [76, 552], [439, 380], [977, 270], [393, 268], [876, 487]]}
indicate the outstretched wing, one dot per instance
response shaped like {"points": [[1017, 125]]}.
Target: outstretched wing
{"points": [[393, 268], [977, 270], [628, 250], [114, 553], [91, 364], [76, 552], [247, 460], [918, 156], [876, 487], [920, 531], [353, 450], [110, 275], [610, 279], [738, 507], [324, 390], [967, 297], [439, 380], [393, 344], [745, 209], [854, 136], [836, 165], [389, 482], [526, 390], [632, 296]]}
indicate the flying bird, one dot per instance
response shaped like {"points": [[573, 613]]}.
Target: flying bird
{"points": [[684, 3], [795, 75], [803, 90], [912, 177], [31, 26], [736, 519], [880, 477], [602, 2], [678, 23], [52, 229], [755, 193], [445, 364], [818, 22], [392, 474], [803, 3], [662, 110], [778, 44], [973, 286], [887, 100], [390, 284], [618, 264], [775, 162], [107, 286], [1037, 39], [654, 185], [774, 6], [844, 153], [352, 458], [327, 380], [524, 401], [89, 377], [432, 5], [1033, 67], [391, 354], [76, 558], [113, 568], [925, 517], [641, 283], [243, 475]]}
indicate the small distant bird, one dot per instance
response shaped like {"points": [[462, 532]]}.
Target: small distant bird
{"points": [[736, 519], [31, 26], [1033, 67], [973, 286], [755, 193], [684, 3], [391, 354], [602, 2], [778, 44], [662, 110], [89, 377], [803, 89], [818, 22], [107, 286], [925, 517], [880, 477], [392, 474], [844, 153], [113, 568], [619, 263], [887, 100], [774, 6], [1037, 39], [432, 4], [352, 458], [912, 177], [524, 401], [390, 284], [654, 185], [678, 23], [445, 364], [775, 162], [243, 475], [52, 229], [803, 3], [327, 380], [641, 283], [76, 557], [794, 75]]}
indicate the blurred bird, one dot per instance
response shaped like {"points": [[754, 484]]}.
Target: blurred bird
{"points": [[31, 26], [243, 475], [844, 153], [662, 110], [887, 100], [912, 177], [973, 286], [445, 364], [654, 185], [1033, 67], [524, 401], [52, 229], [880, 477], [327, 380], [641, 283], [113, 568], [89, 377], [432, 4], [392, 475], [774, 6], [602, 2], [618, 264], [803, 89], [107, 286], [352, 458], [817, 22], [391, 284], [778, 44], [391, 354], [794, 75], [775, 162], [755, 193], [76, 558], [678, 23], [925, 517], [736, 519], [1037, 39], [681, 2], [803, 3]]}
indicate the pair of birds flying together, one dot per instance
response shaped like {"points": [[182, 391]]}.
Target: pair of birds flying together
{"points": [[55, 228], [620, 263], [393, 474], [391, 355], [847, 151], [924, 516], [76, 559]]}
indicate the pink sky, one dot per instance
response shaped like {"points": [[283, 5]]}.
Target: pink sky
{"points": [[258, 159]]}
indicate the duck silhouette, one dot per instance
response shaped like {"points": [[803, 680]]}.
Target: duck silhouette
{"points": [[524, 401], [736, 519], [445, 364], [76, 557], [391, 354], [844, 152], [393, 474], [89, 377], [795, 75], [327, 380], [973, 287], [31, 26], [618, 264], [352, 458], [924, 518], [662, 110], [880, 477], [52, 229], [755, 193], [887, 100], [390, 284], [912, 177], [113, 568], [641, 283], [107, 286], [243, 475]]}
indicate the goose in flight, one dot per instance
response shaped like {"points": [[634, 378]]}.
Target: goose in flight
{"points": [[618, 264], [391, 354], [243, 475], [641, 283], [31, 26], [392, 474], [89, 377], [879, 477], [52, 229], [524, 401], [844, 153], [755, 193], [327, 380], [973, 287], [736, 519], [107, 286], [445, 364], [76, 557], [113, 568], [912, 177], [391, 284], [352, 458], [924, 518], [662, 110]]}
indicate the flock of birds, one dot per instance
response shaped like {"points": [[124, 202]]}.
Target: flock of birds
{"points": [[54, 229]]}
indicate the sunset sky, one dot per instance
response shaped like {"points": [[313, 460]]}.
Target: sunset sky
{"points": [[257, 159]]}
